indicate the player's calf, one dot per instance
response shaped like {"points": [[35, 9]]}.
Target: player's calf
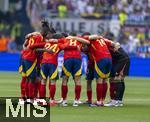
{"points": [[42, 92]]}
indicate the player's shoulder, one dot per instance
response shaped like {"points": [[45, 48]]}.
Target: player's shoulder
{"points": [[63, 40], [38, 36], [122, 51], [104, 38]]}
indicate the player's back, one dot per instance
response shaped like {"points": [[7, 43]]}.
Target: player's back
{"points": [[99, 49], [51, 57], [72, 50], [30, 54], [119, 55]]}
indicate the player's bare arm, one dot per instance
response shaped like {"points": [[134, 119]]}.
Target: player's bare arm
{"points": [[94, 37], [84, 41], [44, 50], [25, 44], [52, 40], [32, 34]]}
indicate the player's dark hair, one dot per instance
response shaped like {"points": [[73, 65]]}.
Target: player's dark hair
{"points": [[110, 36], [64, 34], [45, 23], [86, 33], [46, 27], [73, 34], [57, 36], [52, 30]]}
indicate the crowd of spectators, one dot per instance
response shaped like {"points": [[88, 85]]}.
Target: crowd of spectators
{"points": [[97, 8], [10, 33], [126, 11], [12, 24]]}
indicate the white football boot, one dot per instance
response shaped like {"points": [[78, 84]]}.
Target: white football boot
{"points": [[118, 103], [64, 103], [22, 101], [75, 103], [111, 103]]}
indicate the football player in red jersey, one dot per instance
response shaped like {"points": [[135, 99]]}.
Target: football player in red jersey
{"points": [[72, 66], [23, 80], [49, 70], [49, 65], [102, 58], [30, 59], [45, 29], [103, 64]]}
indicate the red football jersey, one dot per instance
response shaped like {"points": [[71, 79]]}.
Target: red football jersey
{"points": [[30, 54], [51, 57], [99, 49], [107, 41], [72, 48]]}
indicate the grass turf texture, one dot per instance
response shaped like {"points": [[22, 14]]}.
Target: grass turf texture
{"points": [[136, 108]]}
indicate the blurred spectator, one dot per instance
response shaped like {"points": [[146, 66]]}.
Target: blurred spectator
{"points": [[62, 10], [33, 10], [122, 17], [12, 46], [122, 37], [133, 41], [3, 43], [81, 6], [16, 32], [90, 8]]}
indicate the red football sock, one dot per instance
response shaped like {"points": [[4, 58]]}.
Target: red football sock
{"points": [[99, 91], [52, 90], [37, 88], [23, 87], [43, 91], [77, 92], [105, 86], [112, 90], [31, 88], [89, 95], [64, 91], [27, 89], [39, 85]]}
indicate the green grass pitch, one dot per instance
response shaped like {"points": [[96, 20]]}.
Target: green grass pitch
{"points": [[136, 100]]}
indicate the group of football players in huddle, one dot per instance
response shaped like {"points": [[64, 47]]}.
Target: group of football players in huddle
{"points": [[39, 62]]}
